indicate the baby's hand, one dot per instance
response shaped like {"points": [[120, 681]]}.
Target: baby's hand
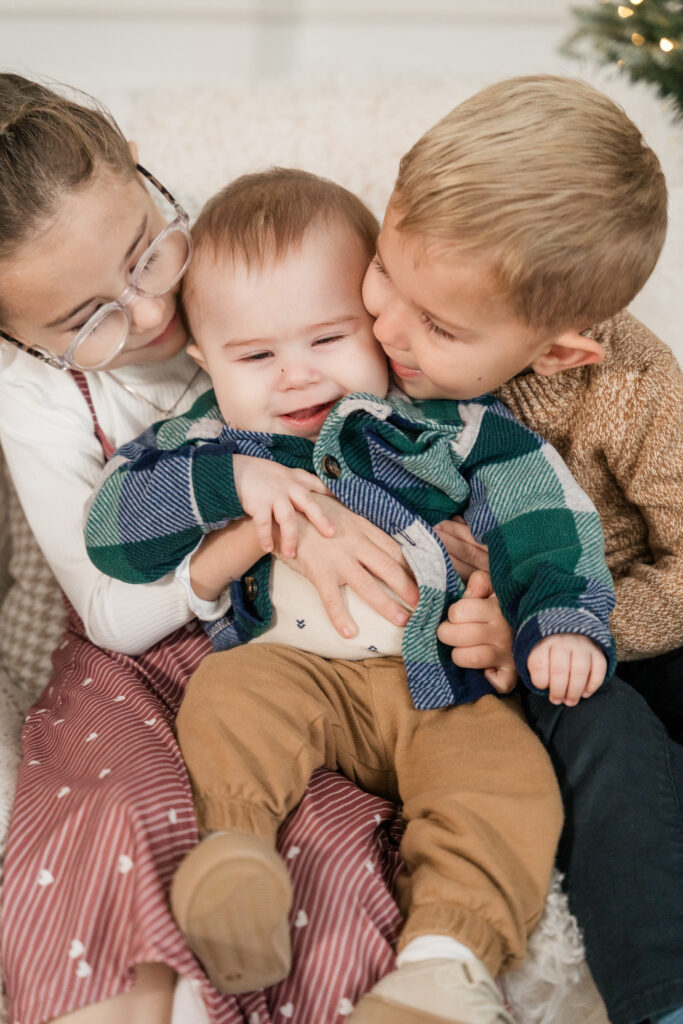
{"points": [[569, 666], [269, 493]]}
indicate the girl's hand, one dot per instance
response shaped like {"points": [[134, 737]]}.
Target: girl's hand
{"points": [[360, 556], [569, 666], [479, 634], [466, 555], [273, 494]]}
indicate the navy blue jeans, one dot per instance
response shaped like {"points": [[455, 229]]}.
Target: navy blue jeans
{"points": [[621, 851]]}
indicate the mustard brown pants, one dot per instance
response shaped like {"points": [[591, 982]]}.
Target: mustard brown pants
{"points": [[482, 808]]}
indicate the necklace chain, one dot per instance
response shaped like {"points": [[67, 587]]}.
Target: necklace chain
{"points": [[159, 409]]}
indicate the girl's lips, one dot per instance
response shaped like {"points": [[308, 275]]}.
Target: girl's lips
{"points": [[166, 333], [404, 371]]}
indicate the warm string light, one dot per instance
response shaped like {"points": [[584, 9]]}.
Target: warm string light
{"points": [[625, 12], [637, 39], [667, 45]]}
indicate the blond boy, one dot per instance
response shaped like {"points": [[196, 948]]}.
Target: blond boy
{"points": [[520, 227]]}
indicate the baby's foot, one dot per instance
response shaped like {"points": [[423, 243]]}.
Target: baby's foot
{"points": [[231, 898], [434, 992]]}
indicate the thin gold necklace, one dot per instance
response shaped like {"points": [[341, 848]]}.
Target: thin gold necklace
{"points": [[159, 409]]}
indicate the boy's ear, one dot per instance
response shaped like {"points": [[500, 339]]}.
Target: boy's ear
{"points": [[133, 147], [566, 351], [195, 352]]}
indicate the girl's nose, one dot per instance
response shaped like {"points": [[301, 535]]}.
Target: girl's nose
{"points": [[147, 312]]}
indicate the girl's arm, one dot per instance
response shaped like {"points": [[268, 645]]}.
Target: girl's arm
{"points": [[55, 460]]}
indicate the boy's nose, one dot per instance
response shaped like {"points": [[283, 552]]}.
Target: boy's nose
{"points": [[388, 330]]}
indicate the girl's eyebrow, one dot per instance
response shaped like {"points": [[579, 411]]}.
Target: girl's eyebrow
{"points": [[127, 255]]}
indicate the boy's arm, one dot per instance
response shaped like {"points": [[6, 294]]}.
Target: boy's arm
{"points": [[545, 543], [646, 461]]}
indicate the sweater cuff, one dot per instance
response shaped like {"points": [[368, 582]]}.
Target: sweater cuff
{"points": [[207, 611], [557, 621]]}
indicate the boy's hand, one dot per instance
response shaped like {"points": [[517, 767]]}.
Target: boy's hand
{"points": [[466, 555], [479, 634], [361, 557], [271, 493], [569, 666]]}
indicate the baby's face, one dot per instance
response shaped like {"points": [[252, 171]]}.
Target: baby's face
{"points": [[283, 342]]}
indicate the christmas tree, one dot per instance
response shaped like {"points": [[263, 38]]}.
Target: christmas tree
{"points": [[643, 37]]}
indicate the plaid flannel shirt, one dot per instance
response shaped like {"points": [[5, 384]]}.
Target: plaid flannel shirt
{"points": [[405, 466]]}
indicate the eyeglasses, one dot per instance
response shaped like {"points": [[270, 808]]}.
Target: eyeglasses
{"points": [[104, 334]]}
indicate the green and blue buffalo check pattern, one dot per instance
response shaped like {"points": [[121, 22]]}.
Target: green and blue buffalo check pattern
{"points": [[405, 466]]}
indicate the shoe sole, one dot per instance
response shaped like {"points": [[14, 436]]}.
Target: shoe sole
{"points": [[231, 898], [374, 1010]]}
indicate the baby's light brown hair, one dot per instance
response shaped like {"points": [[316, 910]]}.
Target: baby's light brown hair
{"points": [[261, 216], [552, 181]]}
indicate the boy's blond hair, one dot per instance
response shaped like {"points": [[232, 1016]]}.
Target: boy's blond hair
{"points": [[550, 179], [261, 216]]}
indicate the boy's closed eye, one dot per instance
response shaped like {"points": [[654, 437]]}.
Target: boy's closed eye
{"points": [[432, 326], [378, 265]]}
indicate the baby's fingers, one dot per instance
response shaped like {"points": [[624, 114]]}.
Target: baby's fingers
{"points": [[303, 500], [559, 665], [263, 524], [285, 517], [597, 673], [309, 481], [579, 672]]}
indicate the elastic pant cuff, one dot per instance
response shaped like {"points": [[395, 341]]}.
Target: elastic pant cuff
{"points": [[215, 814], [460, 924]]}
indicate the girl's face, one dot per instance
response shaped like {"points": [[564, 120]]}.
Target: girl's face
{"points": [[82, 258]]}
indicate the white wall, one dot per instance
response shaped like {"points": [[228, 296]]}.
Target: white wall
{"points": [[97, 44]]}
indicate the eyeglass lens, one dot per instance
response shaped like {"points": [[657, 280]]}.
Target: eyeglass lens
{"points": [[157, 272]]}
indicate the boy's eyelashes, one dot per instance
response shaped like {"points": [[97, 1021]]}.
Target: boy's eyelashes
{"points": [[378, 265], [434, 327]]}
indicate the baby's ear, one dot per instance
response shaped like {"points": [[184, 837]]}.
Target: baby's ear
{"points": [[566, 351], [195, 352], [133, 147]]}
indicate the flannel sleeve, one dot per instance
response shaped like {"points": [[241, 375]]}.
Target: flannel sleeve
{"points": [[546, 547], [160, 494]]}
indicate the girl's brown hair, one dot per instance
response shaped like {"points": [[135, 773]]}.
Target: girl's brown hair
{"points": [[49, 144]]}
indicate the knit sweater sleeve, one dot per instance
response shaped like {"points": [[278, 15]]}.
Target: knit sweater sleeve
{"points": [[646, 461], [546, 547], [161, 493]]}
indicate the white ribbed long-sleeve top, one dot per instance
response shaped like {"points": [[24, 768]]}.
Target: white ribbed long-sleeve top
{"points": [[55, 459]]}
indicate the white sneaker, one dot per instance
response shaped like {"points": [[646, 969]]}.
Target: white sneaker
{"points": [[434, 992]]}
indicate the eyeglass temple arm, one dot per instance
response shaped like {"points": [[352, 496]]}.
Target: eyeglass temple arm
{"points": [[38, 353], [157, 184]]}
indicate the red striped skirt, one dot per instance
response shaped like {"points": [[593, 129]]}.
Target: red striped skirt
{"points": [[102, 817]]}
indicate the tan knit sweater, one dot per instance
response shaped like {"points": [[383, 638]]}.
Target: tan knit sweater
{"points": [[619, 428]]}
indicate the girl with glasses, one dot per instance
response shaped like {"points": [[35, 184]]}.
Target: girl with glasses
{"points": [[92, 352]]}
